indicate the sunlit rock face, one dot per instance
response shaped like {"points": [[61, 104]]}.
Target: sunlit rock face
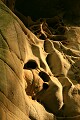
{"points": [[39, 71]]}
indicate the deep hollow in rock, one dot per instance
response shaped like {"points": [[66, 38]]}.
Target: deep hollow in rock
{"points": [[45, 85], [31, 64], [44, 76]]}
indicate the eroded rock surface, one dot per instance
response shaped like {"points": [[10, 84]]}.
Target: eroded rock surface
{"points": [[39, 69]]}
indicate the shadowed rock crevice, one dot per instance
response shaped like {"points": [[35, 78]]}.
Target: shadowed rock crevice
{"points": [[44, 76], [68, 10], [45, 85], [46, 81], [31, 64]]}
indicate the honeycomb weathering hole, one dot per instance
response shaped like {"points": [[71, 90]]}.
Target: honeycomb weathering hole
{"points": [[31, 64], [45, 85], [44, 76]]}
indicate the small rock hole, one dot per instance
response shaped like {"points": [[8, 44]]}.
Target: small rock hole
{"points": [[44, 76], [31, 64], [43, 37], [45, 85]]}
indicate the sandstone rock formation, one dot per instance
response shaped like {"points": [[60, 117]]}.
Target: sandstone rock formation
{"points": [[39, 69]]}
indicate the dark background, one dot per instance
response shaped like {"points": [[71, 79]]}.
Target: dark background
{"points": [[69, 10]]}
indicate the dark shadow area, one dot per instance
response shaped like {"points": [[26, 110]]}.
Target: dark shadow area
{"points": [[67, 9], [31, 64], [44, 76]]}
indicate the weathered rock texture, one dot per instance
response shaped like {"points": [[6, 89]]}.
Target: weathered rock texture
{"points": [[39, 70]]}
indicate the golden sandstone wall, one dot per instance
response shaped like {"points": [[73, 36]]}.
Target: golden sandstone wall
{"points": [[39, 69]]}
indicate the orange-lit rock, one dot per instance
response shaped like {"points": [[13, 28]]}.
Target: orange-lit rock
{"points": [[39, 78]]}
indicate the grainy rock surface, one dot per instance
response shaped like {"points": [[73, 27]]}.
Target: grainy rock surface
{"points": [[39, 69]]}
